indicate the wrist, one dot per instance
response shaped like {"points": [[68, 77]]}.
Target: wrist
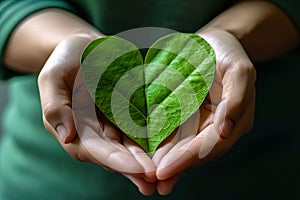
{"points": [[86, 35], [263, 29], [37, 36], [84, 31], [216, 36]]}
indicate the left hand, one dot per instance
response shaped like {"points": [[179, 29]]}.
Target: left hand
{"points": [[69, 114], [226, 114]]}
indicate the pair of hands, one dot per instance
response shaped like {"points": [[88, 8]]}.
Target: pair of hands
{"points": [[227, 113]]}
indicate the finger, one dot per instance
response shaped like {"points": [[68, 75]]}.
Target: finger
{"points": [[165, 187], [142, 158], [165, 147], [55, 86], [176, 159], [56, 108], [205, 147], [87, 114], [238, 83], [176, 148], [105, 153], [101, 139], [146, 188], [109, 131], [187, 129], [192, 152], [190, 126], [214, 96]]}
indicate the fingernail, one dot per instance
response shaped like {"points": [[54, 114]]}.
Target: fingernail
{"points": [[62, 133], [226, 128]]}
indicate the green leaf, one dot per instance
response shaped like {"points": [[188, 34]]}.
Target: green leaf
{"points": [[149, 98]]}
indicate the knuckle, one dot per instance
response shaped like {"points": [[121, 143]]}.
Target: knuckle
{"points": [[79, 154], [79, 157], [50, 111], [47, 126], [248, 70], [251, 73], [48, 74], [238, 107], [42, 77], [239, 103]]}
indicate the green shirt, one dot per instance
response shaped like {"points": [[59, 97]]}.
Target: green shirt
{"points": [[34, 166]]}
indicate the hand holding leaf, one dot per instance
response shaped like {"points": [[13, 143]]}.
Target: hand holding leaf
{"points": [[227, 114], [149, 99], [70, 116], [227, 111]]}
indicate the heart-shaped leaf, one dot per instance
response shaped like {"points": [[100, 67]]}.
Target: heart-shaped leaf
{"points": [[149, 98]]}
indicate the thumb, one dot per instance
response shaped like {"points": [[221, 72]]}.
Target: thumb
{"points": [[55, 84], [56, 109], [238, 85]]}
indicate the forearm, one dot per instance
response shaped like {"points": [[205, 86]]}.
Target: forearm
{"points": [[263, 29], [35, 38]]}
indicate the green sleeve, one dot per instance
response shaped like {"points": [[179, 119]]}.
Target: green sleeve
{"points": [[12, 12], [291, 8]]}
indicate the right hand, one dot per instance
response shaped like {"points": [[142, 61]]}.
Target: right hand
{"points": [[69, 114], [226, 114]]}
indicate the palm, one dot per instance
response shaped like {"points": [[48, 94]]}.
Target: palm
{"points": [[203, 137], [90, 137], [97, 136]]}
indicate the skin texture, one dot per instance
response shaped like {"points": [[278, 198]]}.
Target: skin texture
{"points": [[59, 62], [112, 149], [249, 31], [227, 112]]}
